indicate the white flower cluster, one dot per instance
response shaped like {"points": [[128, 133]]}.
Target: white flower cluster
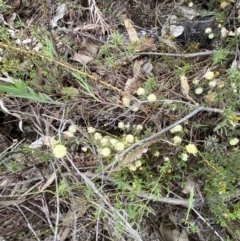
{"points": [[108, 145], [209, 32], [177, 128]]}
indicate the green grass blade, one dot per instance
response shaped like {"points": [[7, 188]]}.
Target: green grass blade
{"points": [[20, 90]]}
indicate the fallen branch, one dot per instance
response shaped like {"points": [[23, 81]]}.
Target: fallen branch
{"points": [[208, 52]]}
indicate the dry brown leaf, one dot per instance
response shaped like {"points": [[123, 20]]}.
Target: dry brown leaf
{"points": [[147, 68], [81, 58], [141, 66], [134, 83], [101, 70], [136, 154], [49, 182], [184, 85], [168, 233], [177, 236], [89, 48], [185, 88], [137, 67], [146, 44], [172, 45], [132, 33], [88, 52]]}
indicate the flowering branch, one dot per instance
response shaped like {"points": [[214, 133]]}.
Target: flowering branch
{"points": [[151, 139]]}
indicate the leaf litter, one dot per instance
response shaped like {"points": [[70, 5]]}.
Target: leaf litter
{"points": [[79, 36]]}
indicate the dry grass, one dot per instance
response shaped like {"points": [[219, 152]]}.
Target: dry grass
{"points": [[82, 71]]}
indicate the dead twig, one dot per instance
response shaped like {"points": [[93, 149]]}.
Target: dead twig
{"points": [[205, 53], [109, 209], [208, 224], [29, 225], [97, 16]]}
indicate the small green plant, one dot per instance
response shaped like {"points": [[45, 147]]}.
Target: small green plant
{"points": [[81, 80], [110, 61], [193, 228], [190, 204], [20, 90], [129, 50], [115, 40], [13, 166], [150, 84], [70, 92], [48, 48], [62, 188], [221, 187], [3, 6], [220, 55]]}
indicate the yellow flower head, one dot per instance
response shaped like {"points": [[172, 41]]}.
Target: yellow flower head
{"points": [[177, 139], [209, 75], [49, 141], [134, 108], [119, 146], [121, 125], [208, 30], [72, 128], [196, 81], [91, 130], [212, 83], [59, 151], [166, 159], [104, 141], [223, 4], [139, 127], [177, 128], [127, 126], [84, 149], [132, 168], [211, 36], [105, 152], [184, 156], [130, 138], [126, 101], [190, 4], [234, 141], [191, 149], [141, 91], [138, 163], [233, 118], [113, 141], [199, 90], [151, 98], [97, 136]]}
